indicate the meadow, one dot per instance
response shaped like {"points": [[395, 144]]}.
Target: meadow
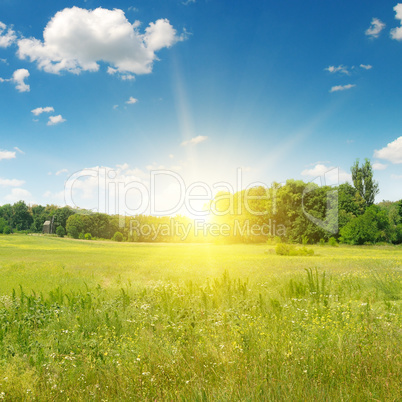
{"points": [[86, 320]]}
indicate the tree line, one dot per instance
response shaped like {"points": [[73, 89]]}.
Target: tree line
{"points": [[289, 211]]}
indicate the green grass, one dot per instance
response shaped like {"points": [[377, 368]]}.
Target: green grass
{"points": [[84, 320]]}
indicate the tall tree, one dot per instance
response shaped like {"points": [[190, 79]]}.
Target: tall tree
{"points": [[363, 182], [22, 219]]}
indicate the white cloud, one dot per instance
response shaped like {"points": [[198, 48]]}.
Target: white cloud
{"points": [[11, 182], [366, 66], [3, 61], [339, 69], [341, 87], [115, 106], [131, 101], [123, 166], [392, 152], [55, 120], [331, 175], [57, 197], [396, 33], [18, 194], [83, 189], [375, 28], [40, 110], [59, 172], [396, 176], [76, 39], [379, 166], [195, 140], [171, 156], [159, 35], [7, 155], [19, 77], [19, 150], [187, 2], [127, 77], [7, 37]]}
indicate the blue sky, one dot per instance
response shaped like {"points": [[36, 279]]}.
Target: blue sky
{"points": [[279, 89]]}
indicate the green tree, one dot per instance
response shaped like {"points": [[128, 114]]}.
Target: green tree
{"points": [[371, 227], [60, 231], [3, 224], [7, 230], [61, 216], [362, 177], [73, 232], [6, 212], [118, 237], [22, 219], [39, 217], [76, 223]]}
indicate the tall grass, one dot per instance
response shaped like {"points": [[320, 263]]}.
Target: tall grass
{"points": [[225, 339]]}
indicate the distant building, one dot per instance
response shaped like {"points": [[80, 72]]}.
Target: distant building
{"points": [[48, 227]]}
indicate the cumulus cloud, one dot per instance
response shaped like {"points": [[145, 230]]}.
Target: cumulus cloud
{"points": [[7, 155], [18, 194], [330, 174], [375, 28], [76, 39], [40, 110], [341, 87], [57, 197], [159, 34], [7, 35], [366, 66], [55, 120], [84, 188], [340, 69], [379, 166], [195, 140], [19, 77], [11, 182], [392, 152], [131, 101], [396, 33]]}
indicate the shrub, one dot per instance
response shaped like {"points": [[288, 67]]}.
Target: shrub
{"points": [[117, 237], [7, 230], [332, 242], [322, 242], [60, 231], [288, 249], [283, 249], [88, 236], [73, 232]]}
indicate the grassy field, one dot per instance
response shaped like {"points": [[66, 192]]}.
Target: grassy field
{"points": [[84, 320]]}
